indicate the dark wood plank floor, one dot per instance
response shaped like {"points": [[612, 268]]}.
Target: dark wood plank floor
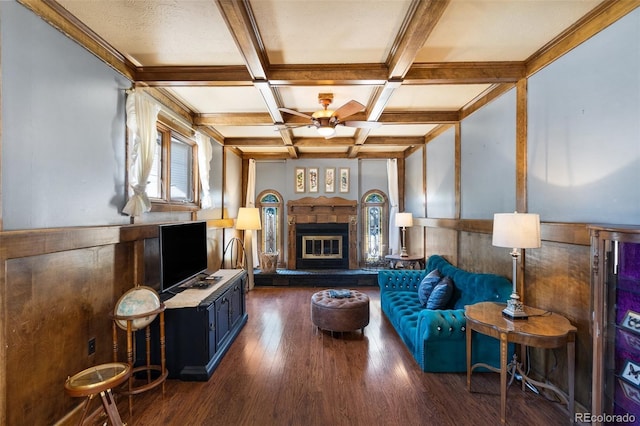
{"points": [[282, 371]]}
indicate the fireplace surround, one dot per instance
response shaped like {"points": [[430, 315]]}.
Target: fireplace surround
{"points": [[322, 246], [322, 220]]}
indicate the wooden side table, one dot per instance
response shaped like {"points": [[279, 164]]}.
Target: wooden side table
{"points": [[542, 330], [412, 261], [99, 380]]}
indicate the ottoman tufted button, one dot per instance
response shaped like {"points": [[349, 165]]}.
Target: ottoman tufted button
{"points": [[463, 328], [450, 329], [439, 328]]}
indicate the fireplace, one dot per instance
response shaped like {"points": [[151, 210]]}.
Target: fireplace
{"points": [[323, 233], [322, 246]]}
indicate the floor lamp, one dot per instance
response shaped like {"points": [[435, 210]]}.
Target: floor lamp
{"points": [[248, 220], [518, 231], [404, 220]]}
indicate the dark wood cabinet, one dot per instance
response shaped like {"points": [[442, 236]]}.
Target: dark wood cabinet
{"points": [[616, 323], [199, 333]]}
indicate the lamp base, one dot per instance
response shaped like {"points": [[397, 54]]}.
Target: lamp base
{"points": [[403, 252], [514, 309]]}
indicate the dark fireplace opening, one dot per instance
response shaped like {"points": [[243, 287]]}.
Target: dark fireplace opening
{"points": [[322, 246]]}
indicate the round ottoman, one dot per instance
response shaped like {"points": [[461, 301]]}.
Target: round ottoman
{"points": [[340, 314]]}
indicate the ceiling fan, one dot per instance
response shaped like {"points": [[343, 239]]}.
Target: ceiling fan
{"points": [[326, 120]]}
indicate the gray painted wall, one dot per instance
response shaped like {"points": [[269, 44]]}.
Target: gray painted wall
{"points": [[441, 174], [279, 175], [63, 140], [373, 175], [584, 131], [63, 131], [583, 140], [414, 197], [488, 170]]}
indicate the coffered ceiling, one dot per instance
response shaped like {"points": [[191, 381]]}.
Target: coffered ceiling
{"points": [[228, 66]]}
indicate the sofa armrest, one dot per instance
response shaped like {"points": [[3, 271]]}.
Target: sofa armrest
{"points": [[445, 324], [400, 279]]}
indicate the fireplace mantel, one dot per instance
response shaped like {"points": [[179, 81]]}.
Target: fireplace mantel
{"points": [[322, 210]]}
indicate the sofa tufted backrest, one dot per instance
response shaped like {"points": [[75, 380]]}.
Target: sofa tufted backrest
{"points": [[471, 287]]}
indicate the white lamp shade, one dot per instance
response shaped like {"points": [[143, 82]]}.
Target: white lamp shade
{"points": [[248, 219], [516, 230], [404, 219]]}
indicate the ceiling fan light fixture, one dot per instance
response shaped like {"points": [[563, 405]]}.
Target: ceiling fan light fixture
{"points": [[326, 131], [324, 113]]}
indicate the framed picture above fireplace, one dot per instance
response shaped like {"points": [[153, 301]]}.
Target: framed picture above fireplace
{"points": [[344, 180], [313, 179], [299, 179], [329, 179]]}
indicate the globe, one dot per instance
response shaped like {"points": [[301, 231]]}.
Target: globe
{"points": [[137, 301]]}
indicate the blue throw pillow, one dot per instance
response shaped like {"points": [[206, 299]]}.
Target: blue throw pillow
{"points": [[427, 285], [441, 294]]}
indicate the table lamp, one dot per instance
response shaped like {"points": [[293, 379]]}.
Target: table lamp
{"points": [[518, 231], [404, 220]]}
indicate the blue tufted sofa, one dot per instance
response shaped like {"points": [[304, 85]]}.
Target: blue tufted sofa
{"points": [[436, 338]]}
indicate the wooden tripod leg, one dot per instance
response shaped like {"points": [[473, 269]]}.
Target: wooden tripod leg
{"points": [[110, 408], [85, 409]]}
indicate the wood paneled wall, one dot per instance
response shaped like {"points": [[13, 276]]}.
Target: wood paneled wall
{"points": [[555, 277], [58, 289], [60, 285]]}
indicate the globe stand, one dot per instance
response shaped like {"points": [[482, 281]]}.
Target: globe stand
{"points": [[127, 316]]}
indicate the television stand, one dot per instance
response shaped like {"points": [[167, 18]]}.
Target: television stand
{"points": [[202, 323]]}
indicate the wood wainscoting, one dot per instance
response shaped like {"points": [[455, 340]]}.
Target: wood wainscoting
{"points": [[555, 277], [58, 290]]}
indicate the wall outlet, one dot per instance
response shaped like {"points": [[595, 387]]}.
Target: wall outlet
{"points": [[92, 346]]}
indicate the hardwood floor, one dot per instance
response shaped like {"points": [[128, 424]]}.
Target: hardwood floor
{"points": [[282, 371]]}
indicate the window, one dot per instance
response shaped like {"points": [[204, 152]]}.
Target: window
{"points": [[375, 219], [270, 204], [173, 178]]}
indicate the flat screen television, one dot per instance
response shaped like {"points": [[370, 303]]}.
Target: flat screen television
{"points": [[183, 253]]}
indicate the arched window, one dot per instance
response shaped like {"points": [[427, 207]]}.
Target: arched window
{"points": [[375, 219], [271, 214]]}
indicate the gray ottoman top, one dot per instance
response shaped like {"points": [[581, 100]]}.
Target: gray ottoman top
{"points": [[323, 298]]}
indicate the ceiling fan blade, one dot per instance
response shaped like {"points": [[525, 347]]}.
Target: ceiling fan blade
{"points": [[284, 126], [348, 109], [362, 124], [294, 112]]}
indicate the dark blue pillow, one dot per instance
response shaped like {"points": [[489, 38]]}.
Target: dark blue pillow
{"points": [[427, 285], [441, 294]]}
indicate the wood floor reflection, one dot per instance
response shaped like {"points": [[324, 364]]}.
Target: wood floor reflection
{"points": [[282, 371]]}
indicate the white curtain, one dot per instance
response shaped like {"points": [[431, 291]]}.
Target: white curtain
{"points": [[394, 232], [249, 236], [205, 152], [142, 115]]}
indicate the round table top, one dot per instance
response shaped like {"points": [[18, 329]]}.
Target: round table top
{"points": [[400, 257], [98, 378], [541, 323]]}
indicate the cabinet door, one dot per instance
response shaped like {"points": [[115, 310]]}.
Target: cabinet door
{"points": [[223, 320], [237, 302], [622, 333]]}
